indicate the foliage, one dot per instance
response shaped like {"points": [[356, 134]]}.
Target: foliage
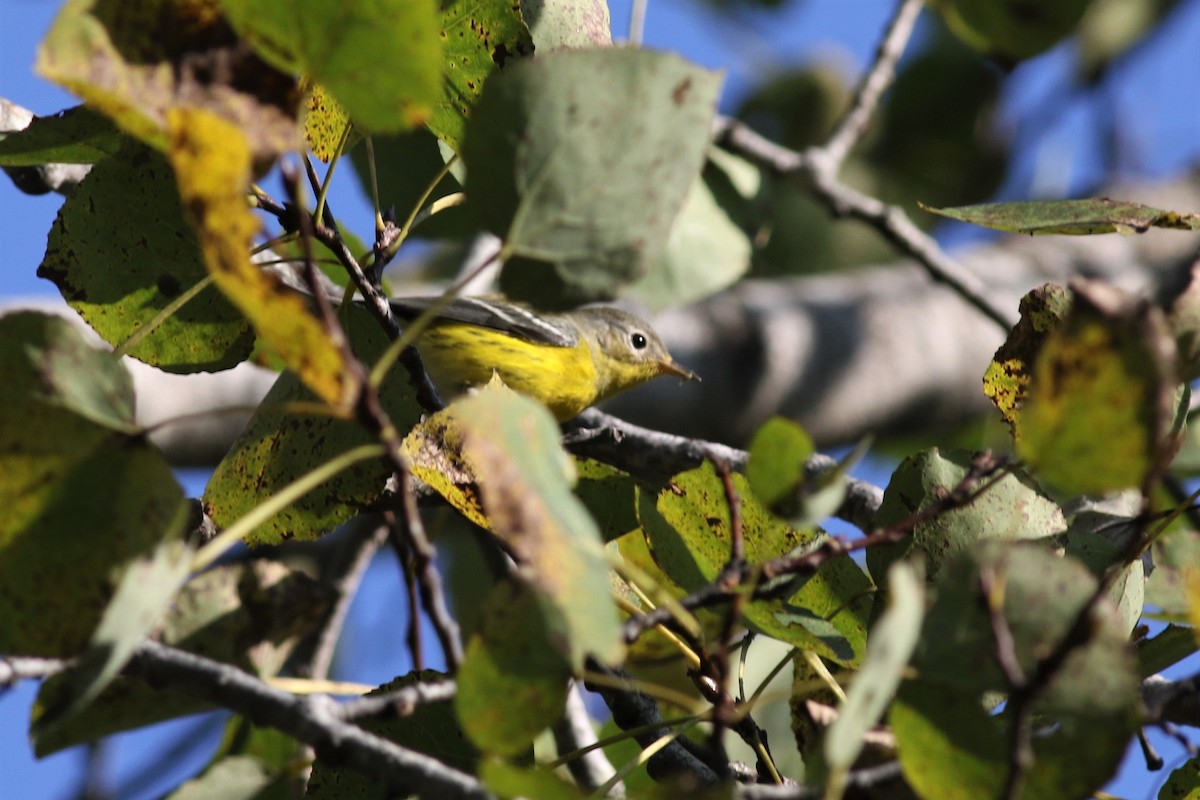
{"points": [[990, 638]]}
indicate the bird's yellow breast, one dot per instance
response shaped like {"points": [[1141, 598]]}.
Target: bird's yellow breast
{"points": [[457, 355]]}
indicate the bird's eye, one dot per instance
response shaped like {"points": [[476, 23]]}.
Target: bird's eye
{"points": [[638, 341]]}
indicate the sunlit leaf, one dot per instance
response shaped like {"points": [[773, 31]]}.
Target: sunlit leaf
{"points": [[212, 168], [286, 439], [689, 532], [121, 277], [379, 58], [480, 37], [501, 452], [568, 23], [1006, 381]]}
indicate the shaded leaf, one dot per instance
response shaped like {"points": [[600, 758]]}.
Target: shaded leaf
{"points": [[285, 440], [889, 647], [78, 135], [1012, 508], [231, 778], [71, 476], [706, 250], [580, 161], [120, 277], [1175, 643], [1073, 217], [513, 680], [1011, 30], [141, 597], [429, 728], [610, 497], [1101, 395], [250, 615], [534, 783], [1090, 705], [135, 62], [1183, 315], [1183, 783], [379, 58]]}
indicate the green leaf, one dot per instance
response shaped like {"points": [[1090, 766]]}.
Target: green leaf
{"points": [[1101, 395], [513, 680], [581, 161], [1012, 508], [480, 37], [609, 495], [889, 647], [71, 475], [1006, 382], [1090, 705], [777, 455], [1175, 554], [326, 124], [429, 728], [510, 444], [78, 135], [567, 23], [231, 778], [688, 527], [1010, 30], [1183, 315], [706, 250], [1175, 643], [285, 440], [140, 599], [1072, 217], [135, 63], [379, 58], [251, 615], [534, 783], [1184, 782], [121, 277]]}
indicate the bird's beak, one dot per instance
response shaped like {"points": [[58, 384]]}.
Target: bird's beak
{"points": [[671, 368]]}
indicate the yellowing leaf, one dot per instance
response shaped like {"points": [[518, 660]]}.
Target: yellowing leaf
{"points": [[212, 167], [134, 61], [1100, 396], [1006, 380]]}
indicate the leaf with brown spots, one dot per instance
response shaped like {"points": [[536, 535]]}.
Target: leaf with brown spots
{"points": [[689, 534]]}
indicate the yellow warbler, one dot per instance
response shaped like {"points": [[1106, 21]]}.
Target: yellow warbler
{"points": [[567, 361]]}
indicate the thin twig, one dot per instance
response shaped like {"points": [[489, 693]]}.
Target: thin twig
{"points": [[979, 478], [575, 737], [401, 702], [312, 720], [873, 84]]}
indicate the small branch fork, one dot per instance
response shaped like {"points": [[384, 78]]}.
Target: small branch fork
{"points": [[820, 166]]}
